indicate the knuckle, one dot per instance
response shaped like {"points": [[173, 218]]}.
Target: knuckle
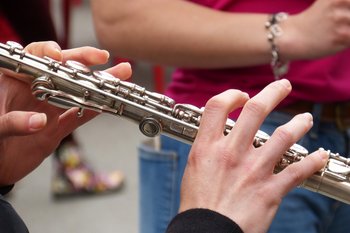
{"points": [[283, 134], [215, 103], [342, 35], [273, 199], [8, 120], [5, 124], [227, 158], [195, 154], [295, 175], [256, 107], [341, 18]]}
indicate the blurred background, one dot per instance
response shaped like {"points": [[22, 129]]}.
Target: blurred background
{"points": [[108, 142]]}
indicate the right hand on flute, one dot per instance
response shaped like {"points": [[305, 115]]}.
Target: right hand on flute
{"points": [[229, 175]]}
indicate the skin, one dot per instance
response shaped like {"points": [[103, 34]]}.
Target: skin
{"points": [[183, 34], [230, 172], [30, 129], [236, 173]]}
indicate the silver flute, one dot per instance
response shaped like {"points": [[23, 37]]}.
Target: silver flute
{"points": [[74, 85]]}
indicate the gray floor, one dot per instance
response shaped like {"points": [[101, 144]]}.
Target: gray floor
{"points": [[109, 143]]}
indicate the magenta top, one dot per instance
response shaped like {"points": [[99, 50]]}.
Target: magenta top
{"points": [[322, 80]]}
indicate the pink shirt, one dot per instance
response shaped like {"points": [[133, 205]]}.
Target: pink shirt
{"points": [[323, 80]]}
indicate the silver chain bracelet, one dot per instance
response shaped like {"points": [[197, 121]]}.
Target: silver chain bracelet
{"points": [[279, 67]]}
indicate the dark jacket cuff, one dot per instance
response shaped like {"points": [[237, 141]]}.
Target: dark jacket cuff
{"points": [[202, 221], [6, 189]]}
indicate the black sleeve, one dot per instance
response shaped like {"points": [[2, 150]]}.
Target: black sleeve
{"points": [[6, 189], [10, 222], [202, 221]]}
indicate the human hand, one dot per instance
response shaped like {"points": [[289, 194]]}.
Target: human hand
{"points": [[322, 29], [229, 175], [31, 129]]}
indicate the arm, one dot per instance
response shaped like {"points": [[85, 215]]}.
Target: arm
{"points": [[183, 34], [31, 129], [179, 33], [228, 175]]}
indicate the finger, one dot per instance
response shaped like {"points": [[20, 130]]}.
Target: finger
{"points": [[87, 55], [47, 48], [122, 70], [297, 172], [284, 137], [216, 112], [69, 121], [255, 111], [40, 49], [21, 123]]}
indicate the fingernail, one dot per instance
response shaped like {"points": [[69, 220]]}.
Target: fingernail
{"points": [[125, 63], [309, 117], [106, 53], [246, 95], [37, 121], [285, 82], [324, 154]]}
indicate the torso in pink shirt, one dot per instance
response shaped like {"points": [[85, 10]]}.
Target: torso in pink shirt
{"points": [[324, 80]]}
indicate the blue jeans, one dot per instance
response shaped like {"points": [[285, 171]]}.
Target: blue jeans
{"points": [[160, 175], [301, 211]]}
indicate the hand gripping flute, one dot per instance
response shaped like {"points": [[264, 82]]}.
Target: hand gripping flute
{"points": [[74, 85]]}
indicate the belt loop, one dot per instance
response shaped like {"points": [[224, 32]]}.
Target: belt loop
{"points": [[316, 114], [339, 117], [347, 141]]}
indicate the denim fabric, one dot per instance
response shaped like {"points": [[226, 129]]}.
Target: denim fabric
{"points": [[160, 175], [301, 211]]}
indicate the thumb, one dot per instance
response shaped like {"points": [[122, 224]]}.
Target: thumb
{"points": [[19, 123]]}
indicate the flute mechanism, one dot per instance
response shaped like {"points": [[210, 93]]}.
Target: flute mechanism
{"points": [[72, 84]]}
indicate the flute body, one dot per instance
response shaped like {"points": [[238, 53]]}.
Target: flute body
{"points": [[74, 85]]}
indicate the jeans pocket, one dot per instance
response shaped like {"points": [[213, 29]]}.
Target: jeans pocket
{"points": [[158, 187]]}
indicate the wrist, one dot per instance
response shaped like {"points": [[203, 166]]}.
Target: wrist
{"points": [[293, 44], [279, 64]]}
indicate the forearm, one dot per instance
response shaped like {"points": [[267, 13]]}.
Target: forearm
{"points": [[179, 33], [183, 34]]}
